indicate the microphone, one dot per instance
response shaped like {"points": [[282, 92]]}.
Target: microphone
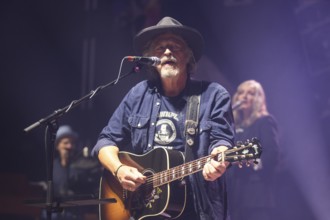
{"points": [[153, 61], [238, 104]]}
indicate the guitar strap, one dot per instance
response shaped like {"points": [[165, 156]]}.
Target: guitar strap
{"points": [[191, 124]]}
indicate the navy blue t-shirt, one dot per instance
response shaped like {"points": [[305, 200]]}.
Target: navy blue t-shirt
{"points": [[169, 123]]}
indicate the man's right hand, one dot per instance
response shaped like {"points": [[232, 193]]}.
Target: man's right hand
{"points": [[130, 178]]}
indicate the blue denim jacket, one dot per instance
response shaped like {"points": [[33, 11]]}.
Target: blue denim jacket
{"points": [[132, 128]]}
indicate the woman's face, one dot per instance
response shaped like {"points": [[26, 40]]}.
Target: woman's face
{"points": [[246, 94]]}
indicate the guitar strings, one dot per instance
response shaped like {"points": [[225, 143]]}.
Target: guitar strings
{"points": [[178, 170], [176, 173], [167, 175]]}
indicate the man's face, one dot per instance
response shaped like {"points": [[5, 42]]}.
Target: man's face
{"points": [[173, 52], [65, 146]]}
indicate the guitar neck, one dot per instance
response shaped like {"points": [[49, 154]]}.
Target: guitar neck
{"points": [[179, 172], [231, 155]]}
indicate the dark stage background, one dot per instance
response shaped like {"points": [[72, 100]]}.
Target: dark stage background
{"points": [[53, 52]]}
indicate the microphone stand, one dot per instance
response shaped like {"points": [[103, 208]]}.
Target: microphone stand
{"points": [[51, 123]]}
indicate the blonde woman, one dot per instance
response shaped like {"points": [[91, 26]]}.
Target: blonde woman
{"points": [[250, 192]]}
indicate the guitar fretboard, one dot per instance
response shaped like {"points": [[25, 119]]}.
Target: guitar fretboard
{"points": [[179, 172]]}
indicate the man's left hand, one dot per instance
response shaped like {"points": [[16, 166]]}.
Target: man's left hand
{"points": [[214, 169]]}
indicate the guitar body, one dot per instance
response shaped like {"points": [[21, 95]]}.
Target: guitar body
{"points": [[147, 201]]}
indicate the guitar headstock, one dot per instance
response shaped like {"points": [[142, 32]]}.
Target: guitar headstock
{"points": [[250, 150]]}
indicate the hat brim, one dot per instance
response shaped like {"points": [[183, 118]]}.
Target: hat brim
{"points": [[192, 37]]}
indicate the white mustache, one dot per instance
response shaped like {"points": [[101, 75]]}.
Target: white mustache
{"points": [[171, 59]]}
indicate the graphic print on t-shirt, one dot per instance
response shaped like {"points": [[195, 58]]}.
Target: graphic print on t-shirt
{"points": [[169, 124], [166, 131]]}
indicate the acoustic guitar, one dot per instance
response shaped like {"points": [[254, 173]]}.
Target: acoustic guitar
{"points": [[164, 192]]}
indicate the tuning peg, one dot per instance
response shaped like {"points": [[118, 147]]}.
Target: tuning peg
{"points": [[240, 165], [248, 163], [255, 162]]}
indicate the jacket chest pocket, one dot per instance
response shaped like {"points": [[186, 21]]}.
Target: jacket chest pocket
{"points": [[139, 130]]}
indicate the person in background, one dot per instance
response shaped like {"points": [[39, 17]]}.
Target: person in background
{"points": [[153, 115], [75, 176], [65, 146], [63, 184], [251, 192]]}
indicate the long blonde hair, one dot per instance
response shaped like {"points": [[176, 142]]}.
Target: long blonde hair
{"points": [[259, 106]]}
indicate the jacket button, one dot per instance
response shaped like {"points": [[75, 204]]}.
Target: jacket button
{"points": [[191, 131], [190, 142]]}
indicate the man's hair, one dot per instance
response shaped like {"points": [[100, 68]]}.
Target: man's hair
{"points": [[259, 106]]}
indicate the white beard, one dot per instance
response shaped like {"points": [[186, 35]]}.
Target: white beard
{"points": [[168, 72]]}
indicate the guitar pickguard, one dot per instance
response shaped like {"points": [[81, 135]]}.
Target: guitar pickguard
{"points": [[155, 194]]}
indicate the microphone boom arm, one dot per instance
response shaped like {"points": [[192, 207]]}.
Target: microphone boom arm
{"points": [[60, 112]]}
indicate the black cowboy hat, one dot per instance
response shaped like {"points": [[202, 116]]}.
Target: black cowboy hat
{"points": [[192, 37]]}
